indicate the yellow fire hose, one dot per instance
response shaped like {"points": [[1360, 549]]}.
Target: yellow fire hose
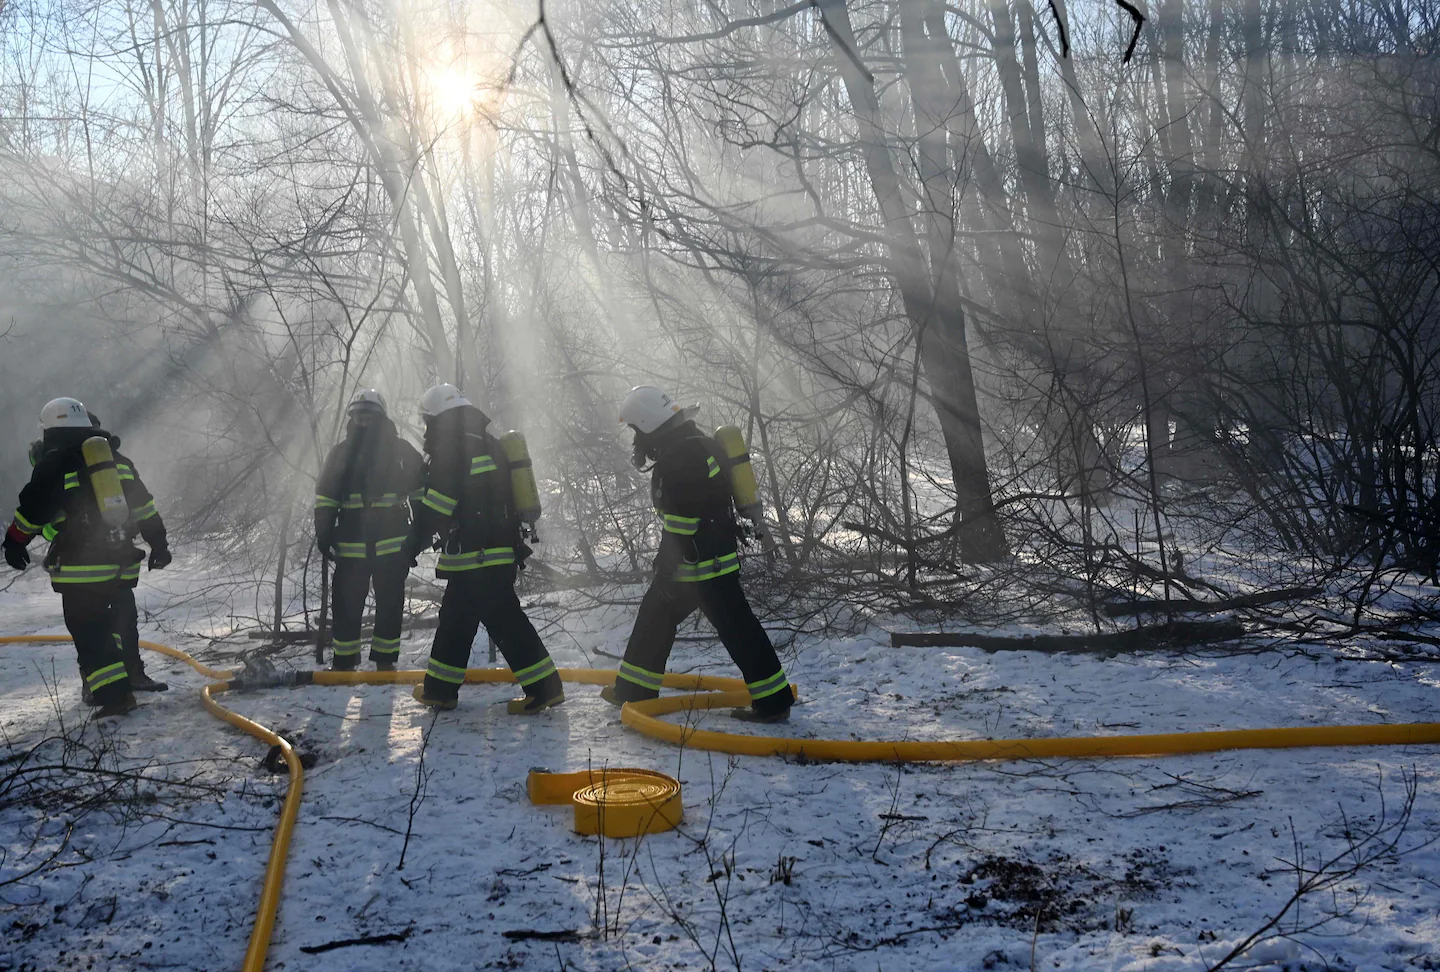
{"points": [[643, 718], [713, 692]]}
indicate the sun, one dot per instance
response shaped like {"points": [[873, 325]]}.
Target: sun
{"points": [[453, 91]]}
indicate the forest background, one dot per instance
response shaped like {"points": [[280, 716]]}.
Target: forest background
{"points": [[1025, 310]]}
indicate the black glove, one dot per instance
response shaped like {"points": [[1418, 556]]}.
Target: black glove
{"points": [[15, 554], [415, 542], [770, 550], [325, 543], [160, 558], [677, 553]]}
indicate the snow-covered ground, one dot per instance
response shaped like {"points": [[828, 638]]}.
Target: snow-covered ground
{"points": [[1102, 864]]}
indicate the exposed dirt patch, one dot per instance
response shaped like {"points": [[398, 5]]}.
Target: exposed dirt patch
{"points": [[1064, 894]]}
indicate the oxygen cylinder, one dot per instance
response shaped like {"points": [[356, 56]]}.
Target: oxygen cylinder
{"points": [[742, 475], [105, 481], [522, 477]]}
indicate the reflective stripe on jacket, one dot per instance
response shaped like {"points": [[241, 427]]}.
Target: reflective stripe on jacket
{"points": [[365, 491], [692, 497], [59, 503], [467, 497]]}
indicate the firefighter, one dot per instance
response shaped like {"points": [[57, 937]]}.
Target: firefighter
{"points": [[93, 559], [698, 564], [361, 521], [127, 616], [469, 502]]}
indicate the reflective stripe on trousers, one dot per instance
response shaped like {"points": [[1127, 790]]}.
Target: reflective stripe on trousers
{"points": [[102, 677], [342, 648], [640, 676], [445, 673], [768, 686], [534, 673]]}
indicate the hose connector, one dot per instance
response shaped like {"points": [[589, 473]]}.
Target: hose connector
{"points": [[260, 674]]}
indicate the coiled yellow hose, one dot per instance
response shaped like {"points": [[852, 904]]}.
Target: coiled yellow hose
{"points": [[614, 801]]}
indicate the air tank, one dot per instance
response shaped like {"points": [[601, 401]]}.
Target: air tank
{"points": [[105, 481], [742, 475], [522, 476]]}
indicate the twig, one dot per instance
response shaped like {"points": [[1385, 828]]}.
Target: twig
{"points": [[368, 823], [69, 829], [421, 786], [1139, 19], [889, 817]]}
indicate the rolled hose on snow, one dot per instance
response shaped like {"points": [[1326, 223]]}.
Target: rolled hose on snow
{"points": [[715, 692], [614, 801]]}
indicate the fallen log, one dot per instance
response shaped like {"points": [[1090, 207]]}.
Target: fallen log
{"points": [[363, 940], [1187, 605], [533, 935], [1176, 634]]}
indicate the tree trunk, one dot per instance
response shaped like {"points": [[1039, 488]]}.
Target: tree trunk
{"points": [[365, 118], [939, 329], [1077, 452]]}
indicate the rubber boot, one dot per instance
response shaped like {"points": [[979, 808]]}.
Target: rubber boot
{"points": [[751, 715], [548, 693], [121, 706], [141, 682], [608, 694], [444, 704], [384, 665], [87, 696], [771, 708]]}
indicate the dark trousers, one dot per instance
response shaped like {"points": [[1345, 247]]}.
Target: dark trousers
{"points": [[349, 585], [486, 596], [669, 602], [90, 619], [125, 630]]}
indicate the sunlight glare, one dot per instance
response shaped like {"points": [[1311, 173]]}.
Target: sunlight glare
{"points": [[453, 91]]}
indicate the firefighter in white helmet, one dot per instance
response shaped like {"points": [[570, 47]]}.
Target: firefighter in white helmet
{"points": [[97, 498], [698, 564], [362, 498], [468, 500]]}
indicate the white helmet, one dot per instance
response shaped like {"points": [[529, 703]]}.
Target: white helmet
{"points": [[647, 408], [64, 413], [441, 398], [367, 397]]}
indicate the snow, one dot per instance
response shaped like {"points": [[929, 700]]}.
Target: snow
{"points": [[1154, 864]]}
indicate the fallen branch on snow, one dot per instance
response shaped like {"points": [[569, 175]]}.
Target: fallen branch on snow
{"points": [[1176, 634], [362, 940], [533, 935], [1190, 605]]}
